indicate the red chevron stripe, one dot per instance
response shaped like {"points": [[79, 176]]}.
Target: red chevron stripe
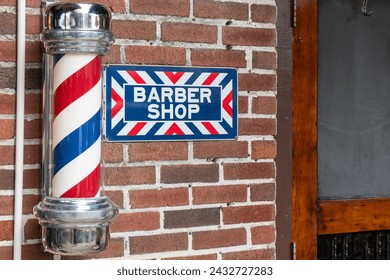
{"points": [[174, 129], [210, 79], [210, 127], [118, 103], [88, 187], [136, 77], [77, 85], [225, 104], [137, 128], [174, 77]]}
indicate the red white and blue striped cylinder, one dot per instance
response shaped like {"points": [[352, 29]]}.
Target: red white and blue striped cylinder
{"points": [[76, 125]]}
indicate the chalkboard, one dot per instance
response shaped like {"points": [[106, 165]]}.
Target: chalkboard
{"points": [[353, 99]]}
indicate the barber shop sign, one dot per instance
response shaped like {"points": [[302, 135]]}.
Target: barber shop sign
{"points": [[160, 103]]}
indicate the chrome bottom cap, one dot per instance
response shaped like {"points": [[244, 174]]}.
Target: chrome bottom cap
{"points": [[75, 226]]}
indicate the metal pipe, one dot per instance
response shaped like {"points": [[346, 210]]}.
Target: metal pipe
{"points": [[19, 135], [74, 217]]}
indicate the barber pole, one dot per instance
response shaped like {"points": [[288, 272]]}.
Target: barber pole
{"points": [[76, 126], [75, 218]]}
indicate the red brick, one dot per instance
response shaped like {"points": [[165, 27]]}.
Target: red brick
{"points": [[247, 36], [116, 197], [256, 82], [32, 229], [263, 13], [32, 154], [10, 2], [6, 253], [112, 152], [32, 129], [126, 222], [33, 24], [219, 10], [7, 178], [257, 126], [263, 234], [155, 55], [159, 198], [264, 105], [248, 214], [161, 7], [249, 170], [7, 205], [33, 103], [158, 243], [219, 194], [7, 24], [31, 178], [33, 78], [221, 149], [262, 254], [29, 201], [171, 174], [35, 252], [218, 238], [264, 60], [191, 218], [137, 175], [7, 155], [262, 192], [188, 32], [196, 257], [158, 151], [7, 51], [243, 104], [113, 57], [34, 51], [220, 58], [8, 77], [263, 149], [115, 249], [138, 30], [6, 230], [7, 103]]}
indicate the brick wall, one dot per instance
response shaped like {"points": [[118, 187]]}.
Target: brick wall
{"points": [[180, 200]]}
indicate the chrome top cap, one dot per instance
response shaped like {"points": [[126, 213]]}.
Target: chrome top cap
{"points": [[72, 16]]}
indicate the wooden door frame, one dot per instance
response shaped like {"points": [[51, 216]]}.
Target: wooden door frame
{"points": [[310, 217], [304, 130]]}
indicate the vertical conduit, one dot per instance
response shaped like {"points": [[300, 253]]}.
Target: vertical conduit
{"points": [[19, 135]]}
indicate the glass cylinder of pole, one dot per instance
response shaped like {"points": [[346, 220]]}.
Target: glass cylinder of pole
{"points": [[74, 216]]}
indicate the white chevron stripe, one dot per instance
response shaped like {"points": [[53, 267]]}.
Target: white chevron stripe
{"points": [[62, 71], [119, 90], [77, 113], [126, 129], [183, 79], [163, 129], [77, 169]]}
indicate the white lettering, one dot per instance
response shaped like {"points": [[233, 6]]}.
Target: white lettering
{"points": [[165, 111], [192, 109], [139, 94], [183, 111], [153, 95], [192, 95], [205, 93], [180, 95], [153, 111], [166, 93]]}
